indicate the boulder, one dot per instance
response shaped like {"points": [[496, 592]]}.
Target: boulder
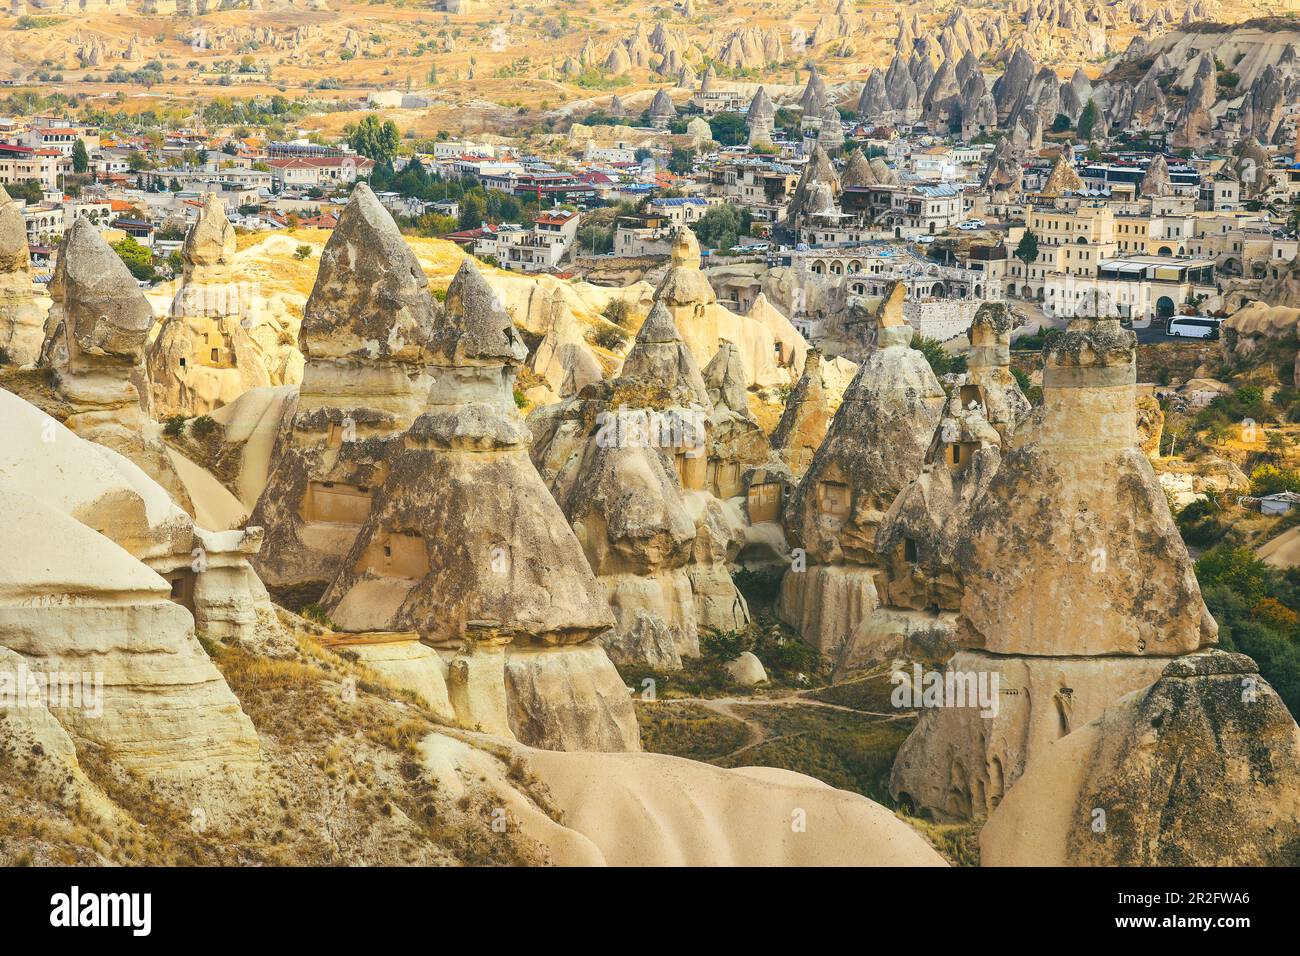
{"points": [[747, 670], [1201, 768]]}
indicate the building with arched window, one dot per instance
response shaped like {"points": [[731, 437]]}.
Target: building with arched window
{"points": [[1136, 287]]}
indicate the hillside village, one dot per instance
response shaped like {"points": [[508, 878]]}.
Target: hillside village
{"points": [[456, 453]]}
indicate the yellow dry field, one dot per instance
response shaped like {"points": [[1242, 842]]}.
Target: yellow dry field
{"points": [[494, 53]]}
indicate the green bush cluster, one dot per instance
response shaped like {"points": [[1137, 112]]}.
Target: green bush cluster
{"points": [[1258, 610]]}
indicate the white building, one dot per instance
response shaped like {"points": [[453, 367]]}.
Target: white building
{"points": [[541, 247], [1135, 287]]}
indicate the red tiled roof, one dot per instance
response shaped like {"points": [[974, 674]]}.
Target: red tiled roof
{"points": [[554, 219]]}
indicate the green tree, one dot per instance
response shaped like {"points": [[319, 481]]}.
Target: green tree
{"points": [[80, 159], [1087, 120], [27, 191], [595, 239], [728, 128], [722, 226], [681, 161], [941, 362], [1270, 479], [473, 210], [375, 139], [138, 258], [1278, 444], [1237, 568], [1027, 249]]}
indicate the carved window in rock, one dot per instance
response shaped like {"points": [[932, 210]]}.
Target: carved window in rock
{"points": [[726, 479], [397, 554], [182, 582], [970, 394], [691, 471], [909, 550], [764, 501], [336, 502], [959, 454], [834, 498], [216, 351], [997, 786]]}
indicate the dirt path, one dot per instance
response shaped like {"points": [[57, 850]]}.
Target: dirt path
{"points": [[758, 734]]}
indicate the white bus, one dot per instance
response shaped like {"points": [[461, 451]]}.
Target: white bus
{"points": [[1193, 327]]}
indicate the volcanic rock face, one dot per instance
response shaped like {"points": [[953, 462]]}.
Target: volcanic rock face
{"points": [[1012, 85], [1155, 182], [563, 358], [818, 176], [760, 117], [460, 569], [830, 135], [628, 461], [1196, 121], [703, 324], [688, 296], [857, 171], [924, 526], [1062, 179], [1099, 603], [366, 334], [1202, 768], [1264, 105], [203, 356], [166, 710], [736, 441], [1004, 175], [873, 101], [459, 560], [95, 339], [662, 110], [921, 586], [209, 571], [100, 319], [81, 520], [1253, 168], [22, 321], [806, 418], [876, 444], [989, 369], [1077, 586], [1284, 290]]}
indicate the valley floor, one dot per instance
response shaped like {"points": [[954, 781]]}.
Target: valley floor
{"points": [[845, 734]]}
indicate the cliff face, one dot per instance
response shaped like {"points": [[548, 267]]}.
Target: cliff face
{"points": [[1202, 768], [1077, 587]]}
